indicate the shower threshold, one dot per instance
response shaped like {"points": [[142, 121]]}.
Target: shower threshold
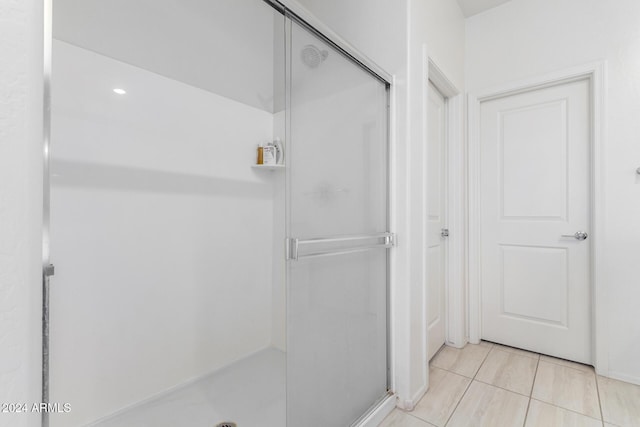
{"points": [[249, 392]]}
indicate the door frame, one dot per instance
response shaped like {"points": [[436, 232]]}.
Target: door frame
{"points": [[455, 303], [595, 74]]}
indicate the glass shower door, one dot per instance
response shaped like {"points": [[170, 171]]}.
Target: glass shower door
{"points": [[338, 240]]}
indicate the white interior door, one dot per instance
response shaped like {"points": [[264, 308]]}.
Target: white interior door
{"points": [[535, 188], [436, 242]]}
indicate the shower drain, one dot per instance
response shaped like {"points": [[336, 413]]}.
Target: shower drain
{"points": [[227, 424]]}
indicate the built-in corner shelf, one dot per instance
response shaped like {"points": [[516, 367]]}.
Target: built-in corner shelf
{"points": [[269, 167]]}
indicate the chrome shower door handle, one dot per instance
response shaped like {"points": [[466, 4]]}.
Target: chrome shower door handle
{"points": [[578, 235], [296, 249]]}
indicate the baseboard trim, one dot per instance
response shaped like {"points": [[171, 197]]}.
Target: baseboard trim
{"points": [[623, 377], [379, 413]]}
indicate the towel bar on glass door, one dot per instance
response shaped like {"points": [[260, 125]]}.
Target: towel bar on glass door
{"points": [[295, 248]]}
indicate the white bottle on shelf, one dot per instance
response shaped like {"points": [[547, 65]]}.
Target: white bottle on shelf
{"points": [[269, 154], [279, 151]]}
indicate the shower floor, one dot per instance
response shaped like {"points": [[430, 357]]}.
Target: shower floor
{"points": [[250, 392]]}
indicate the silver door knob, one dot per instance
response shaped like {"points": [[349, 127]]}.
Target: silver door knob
{"points": [[444, 232], [578, 235]]}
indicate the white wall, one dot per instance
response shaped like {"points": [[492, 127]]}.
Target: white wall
{"points": [[396, 35], [21, 55], [526, 38], [224, 46], [161, 234], [441, 25]]}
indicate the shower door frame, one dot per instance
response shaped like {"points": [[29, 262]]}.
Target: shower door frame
{"points": [[298, 14], [47, 267], [296, 11], [293, 10]]}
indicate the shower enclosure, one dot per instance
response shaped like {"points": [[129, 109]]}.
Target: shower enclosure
{"points": [[194, 286]]}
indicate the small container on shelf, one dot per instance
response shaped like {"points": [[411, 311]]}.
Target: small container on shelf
{"points": [[260, 160]]}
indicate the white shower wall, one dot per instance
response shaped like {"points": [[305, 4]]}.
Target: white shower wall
{"points": [[162, 234]]}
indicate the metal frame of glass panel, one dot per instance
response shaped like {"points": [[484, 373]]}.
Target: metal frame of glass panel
{"points": [[388, 238]]}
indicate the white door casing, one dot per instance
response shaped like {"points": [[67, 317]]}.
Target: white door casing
{"points": [[535, 187], [455, 165], [437, 219]]}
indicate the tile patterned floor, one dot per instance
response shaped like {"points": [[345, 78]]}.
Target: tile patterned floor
{"points": [[494, 386]]}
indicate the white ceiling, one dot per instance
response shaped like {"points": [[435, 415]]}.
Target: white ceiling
{"points": [[473, 7]]}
